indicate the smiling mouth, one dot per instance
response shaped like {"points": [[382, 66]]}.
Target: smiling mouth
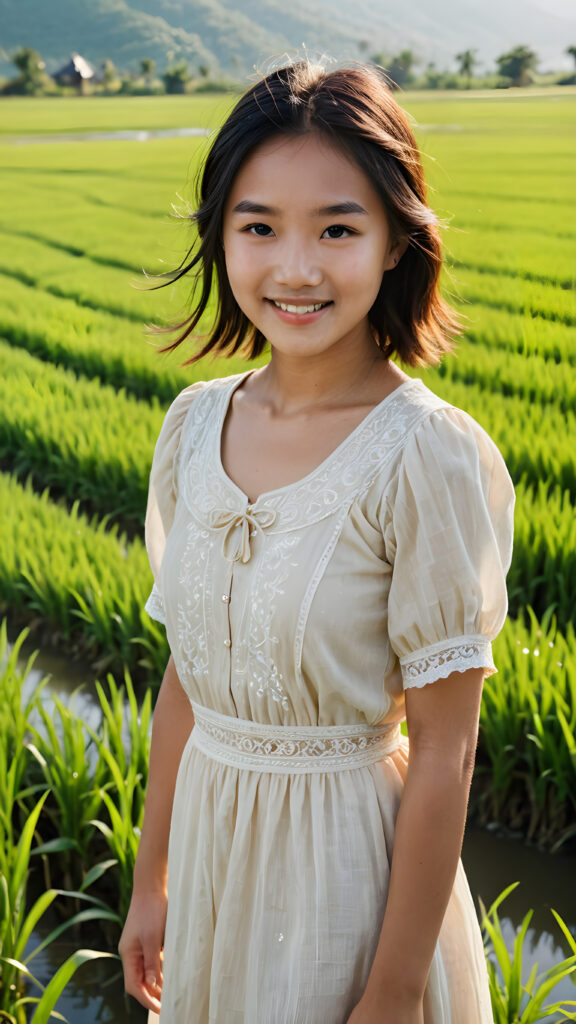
{"points": [[289, 307]]}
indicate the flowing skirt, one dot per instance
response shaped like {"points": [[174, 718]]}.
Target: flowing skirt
{"points": [[277, 886]]}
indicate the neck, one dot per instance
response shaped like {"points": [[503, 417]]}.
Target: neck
{"points": [[292, 384]]}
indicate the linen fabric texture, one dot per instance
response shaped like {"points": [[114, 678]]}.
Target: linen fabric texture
{"points": [[316, 605]]}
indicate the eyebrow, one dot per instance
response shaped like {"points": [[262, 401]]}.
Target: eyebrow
{"points": [[334, 210]]}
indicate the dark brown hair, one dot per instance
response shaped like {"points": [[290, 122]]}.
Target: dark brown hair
{"points": [[355, 110]]}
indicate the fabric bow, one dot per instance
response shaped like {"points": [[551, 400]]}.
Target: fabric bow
{"points": [[239, 527]]}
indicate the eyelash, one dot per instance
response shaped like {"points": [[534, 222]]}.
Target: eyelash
{"points": [[250, 228]]}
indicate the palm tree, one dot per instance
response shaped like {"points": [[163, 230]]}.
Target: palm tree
{"points": [[571, 51], [466, 61]]}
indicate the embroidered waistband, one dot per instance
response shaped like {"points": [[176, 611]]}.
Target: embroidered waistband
{"points": [[290, 749]]}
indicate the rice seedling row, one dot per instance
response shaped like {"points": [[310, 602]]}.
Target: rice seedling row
{"points": [[96, 343], [543, 570], [94, 285], [470, 212], [526, 768], [495, 370], [550, 261], [487, 291], [83, 583], [75, 433]]}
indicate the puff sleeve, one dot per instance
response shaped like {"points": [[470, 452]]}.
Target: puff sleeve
{"points": [[448, 536], [163, 492]]}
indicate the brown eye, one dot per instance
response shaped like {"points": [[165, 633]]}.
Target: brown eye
{"points": [[338, 231], [259, 229]]}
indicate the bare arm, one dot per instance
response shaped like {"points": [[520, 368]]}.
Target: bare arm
{"points": [[443, 727], [142, 939]]}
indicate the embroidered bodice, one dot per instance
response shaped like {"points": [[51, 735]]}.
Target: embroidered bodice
{"points": [[319, 603]]}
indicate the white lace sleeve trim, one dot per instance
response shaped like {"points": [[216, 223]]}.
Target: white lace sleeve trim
{"points": [[155, 607], [440, 659]]}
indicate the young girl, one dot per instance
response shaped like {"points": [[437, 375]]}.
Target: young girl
{"points": [[329, 542]]}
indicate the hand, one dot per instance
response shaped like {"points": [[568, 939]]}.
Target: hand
{"points": [[140, 948], [384, 1009]]}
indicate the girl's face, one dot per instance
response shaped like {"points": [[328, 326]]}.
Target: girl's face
{"points": [[306, 241]]}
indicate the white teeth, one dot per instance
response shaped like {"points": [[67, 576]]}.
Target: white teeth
{"points": [[299, 309]]}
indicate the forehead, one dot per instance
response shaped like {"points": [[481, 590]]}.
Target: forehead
{"points": [[304, 169]]}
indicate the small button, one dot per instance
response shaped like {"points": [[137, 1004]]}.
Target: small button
{"points": [[249, 508], [227, 643], [225, 598]]}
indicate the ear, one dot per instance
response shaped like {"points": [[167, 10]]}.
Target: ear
{"points": [[396, 253]]}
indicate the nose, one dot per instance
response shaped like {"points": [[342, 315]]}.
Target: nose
{"points": [[296, 265]]}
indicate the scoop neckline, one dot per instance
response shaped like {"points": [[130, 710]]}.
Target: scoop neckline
{"points": [[331, 457]]}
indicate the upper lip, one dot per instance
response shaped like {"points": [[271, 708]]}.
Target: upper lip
{"points": [[301, 301]]}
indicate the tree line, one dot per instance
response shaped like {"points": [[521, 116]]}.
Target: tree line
{"points": [[33, 80], [516, 68]]}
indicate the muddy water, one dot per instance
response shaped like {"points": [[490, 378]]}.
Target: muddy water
{"points": [[492, 863]]}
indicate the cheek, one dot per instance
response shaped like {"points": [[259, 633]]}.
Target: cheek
{"points": [[238, 270], [363, 271], [241, 267]]}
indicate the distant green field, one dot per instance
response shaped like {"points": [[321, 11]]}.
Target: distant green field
{"points": [[83, 389], [44, 114]]}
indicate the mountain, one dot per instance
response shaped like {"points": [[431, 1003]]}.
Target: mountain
{"points": [[234, 36]]}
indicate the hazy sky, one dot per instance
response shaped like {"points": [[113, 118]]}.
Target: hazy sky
{"points": [[566, 8]]}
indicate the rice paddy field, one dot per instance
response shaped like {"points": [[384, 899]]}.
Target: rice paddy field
{"points": [[83, 391]]}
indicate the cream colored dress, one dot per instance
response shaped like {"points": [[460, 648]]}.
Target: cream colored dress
{"points": [[295, 625]]}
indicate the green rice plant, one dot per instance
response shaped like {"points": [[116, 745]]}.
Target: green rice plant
{"points": [[526, 764], [125, 732], [495, 369], [73, 433], [543, 570], [14, 714], [50, 556], [12, 812], [529, 334], [92, 285], [124, 746], [19, 917], [515, 1001], [490, 210], [567, 934], [483, 293], [45, 1004], [125, 806], [96, 343], [74, 777], [128, 241], [552, 260]]}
